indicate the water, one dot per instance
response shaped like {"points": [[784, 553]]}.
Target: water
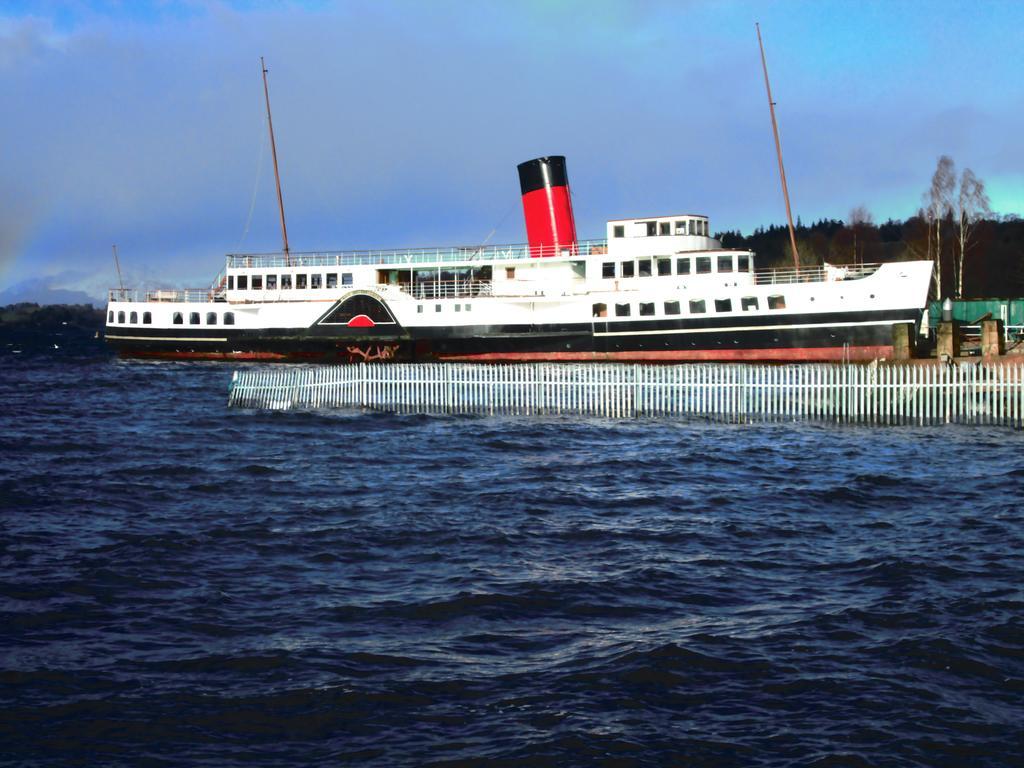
{"points": [[181, 584]]}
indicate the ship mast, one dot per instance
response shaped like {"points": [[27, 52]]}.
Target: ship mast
{"points": [[273, 152], [778, 151]]}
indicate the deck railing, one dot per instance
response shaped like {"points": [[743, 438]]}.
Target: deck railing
{"points": [[447, 289], [165, 294], [814, 274], [404, 257]]}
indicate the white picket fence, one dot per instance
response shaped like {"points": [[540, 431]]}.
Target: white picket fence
{"points": [[976, 393]]}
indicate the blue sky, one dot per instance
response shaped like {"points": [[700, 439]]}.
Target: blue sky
{"points": [[400, 123]]}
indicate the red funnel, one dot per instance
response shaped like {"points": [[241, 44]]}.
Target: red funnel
{"points": [[550, 227]]}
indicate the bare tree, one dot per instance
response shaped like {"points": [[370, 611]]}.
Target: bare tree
{"points": [[972, 206], [860, 220], [939, 204]]}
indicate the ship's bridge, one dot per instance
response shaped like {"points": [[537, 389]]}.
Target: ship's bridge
{"points": [[660, 235]]}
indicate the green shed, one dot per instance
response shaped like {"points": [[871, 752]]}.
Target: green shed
{"points": [[1010, 311]]}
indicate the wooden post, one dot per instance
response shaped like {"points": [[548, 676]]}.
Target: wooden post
{"points": [[947, 337], [903, 341], [993, 340]]}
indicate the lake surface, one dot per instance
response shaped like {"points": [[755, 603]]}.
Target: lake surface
{"points": [[183, 584]]}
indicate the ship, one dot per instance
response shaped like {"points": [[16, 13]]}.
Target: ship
{"points": [[655, 288]]}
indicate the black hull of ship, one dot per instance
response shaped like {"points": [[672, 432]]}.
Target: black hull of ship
{"points": [[818, 337]]}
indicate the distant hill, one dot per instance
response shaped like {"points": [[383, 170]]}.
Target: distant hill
{"points": [[28, 330], [38, 291], [31, 315]]}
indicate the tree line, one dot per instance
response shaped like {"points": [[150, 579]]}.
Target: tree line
{"points": [[978, 254]]}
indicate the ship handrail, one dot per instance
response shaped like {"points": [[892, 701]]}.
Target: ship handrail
{"points": [[447, 289], [158, 295], [404, 257], [820, 273]]}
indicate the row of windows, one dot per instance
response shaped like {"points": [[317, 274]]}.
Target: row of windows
{"points": [[685, 265], [314, 281], [696, 307], [178, 318], [437, 308], [661, 228]]}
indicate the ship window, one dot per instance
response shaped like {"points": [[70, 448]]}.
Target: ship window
{"points": [[469, 307], [257, 282], [458, 307], [683, 266], [600, 310], [697, 307], [723, 305], [622, 310], [748, 302], [286, 282], [231, 282], [147, 318], [243, 282], [665, 228], [644, 267], [703, 265], [680, 227], [647, 309], [316, 281], [300, 282], [627, 269], [704, 227], [619, 230], [693, 227], [110, 316], [437, 307], [346, 278], [332, 279], [510, 273], [664, 267], [671, 307], [177, 318], [133, 317], [120, 317], [229, 318], [193, 318], [271, 282], [725, 263], [742, 263], [608, 269], [211, 318], [776, 302], [419, 309], [652, 228]]}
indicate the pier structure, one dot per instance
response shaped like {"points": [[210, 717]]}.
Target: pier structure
{"points": [[898, 393]]}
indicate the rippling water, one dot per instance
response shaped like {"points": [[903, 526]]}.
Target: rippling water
{"points": [[185, 585]]}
